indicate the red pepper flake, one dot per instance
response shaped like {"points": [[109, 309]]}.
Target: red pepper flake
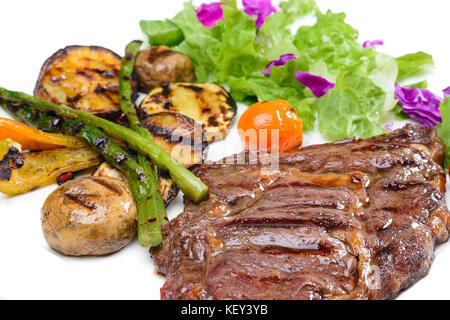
{"points": [[64, 177]]}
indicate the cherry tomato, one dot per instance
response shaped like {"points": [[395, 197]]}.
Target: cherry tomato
{"points": [[261, 123]]}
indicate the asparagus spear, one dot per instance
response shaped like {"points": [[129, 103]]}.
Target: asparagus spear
{"points": [[191, 185], [125, 87], [127, 106], [149, 231]]}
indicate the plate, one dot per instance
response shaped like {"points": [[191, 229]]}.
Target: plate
{"points": [[29, 269]]}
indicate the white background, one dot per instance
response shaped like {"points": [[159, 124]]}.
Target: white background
{"points": [[30, 31]]}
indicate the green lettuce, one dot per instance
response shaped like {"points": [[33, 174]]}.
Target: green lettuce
{"points": [[239, 55], [201, 44], [295, 9], [352, 108], [413, 65], [276, 38], [443, 130], [330, 40], [235, 52], [232, 3], [383, 71], [162, 32]]}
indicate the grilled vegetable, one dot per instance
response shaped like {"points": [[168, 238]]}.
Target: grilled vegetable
{"points": [[89, 216], [153, 202], [149, 231], [11, 158], [64, 177], [107, 170], [84, 78], [178, 135], [167, 186], [207, 103], [160, 65], [41, 169], [31, 110], [33, 139]]}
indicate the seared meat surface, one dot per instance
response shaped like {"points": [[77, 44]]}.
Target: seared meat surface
{"points": [[355, 219]]}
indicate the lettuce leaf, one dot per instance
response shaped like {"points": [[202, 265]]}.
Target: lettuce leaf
{"points": [[162, 32], [238, 55], [443, 130], [413, 65], [383, 71], [232, 3], [352, 108], [200, 43], [330, 40], [276, 37], [295, 9]]}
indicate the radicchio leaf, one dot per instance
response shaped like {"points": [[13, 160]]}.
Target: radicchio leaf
{"points": [[318, 85], [209, 13], [260, 8], [446, 92], [372, 44], [419, 104], [284, 58], [389, 127]]}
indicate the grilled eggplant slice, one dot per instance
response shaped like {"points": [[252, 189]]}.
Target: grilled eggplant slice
{"points": [[167, 186], [84, 78], [178, 135], [206, 103]]}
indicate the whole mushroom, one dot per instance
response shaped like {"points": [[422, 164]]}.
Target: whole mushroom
{"points": [[160, 65], [89, 216]]}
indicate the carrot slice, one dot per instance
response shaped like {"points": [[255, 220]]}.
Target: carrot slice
{"points": [[33, 139]]}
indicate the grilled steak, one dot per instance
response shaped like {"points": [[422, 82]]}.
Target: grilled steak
{"points": [[355, 219]]}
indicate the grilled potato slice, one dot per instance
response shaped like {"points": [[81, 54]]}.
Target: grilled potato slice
{"points": [[206, 103], [84, 78], [178, 135], [167, 186]]}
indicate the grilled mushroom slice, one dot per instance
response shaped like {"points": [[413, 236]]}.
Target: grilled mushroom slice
{"points": [[89, 216], [206, 103], [84, 78], [167, 186], [156, 66]]}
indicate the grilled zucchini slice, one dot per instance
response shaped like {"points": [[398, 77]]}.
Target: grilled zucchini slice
{"points": [[206, 103], [167, 186], [178, 135], [84, 78]]}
